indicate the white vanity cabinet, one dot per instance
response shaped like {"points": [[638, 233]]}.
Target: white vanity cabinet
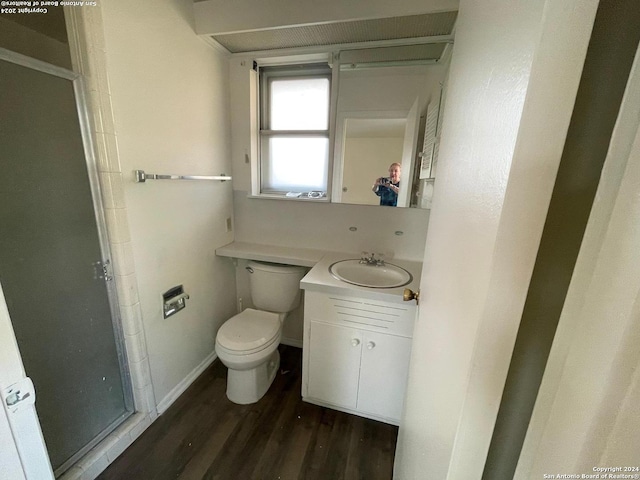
{"points": [[356, 354]]}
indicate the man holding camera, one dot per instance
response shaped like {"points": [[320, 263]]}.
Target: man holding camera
{"points": [[387, 188]]}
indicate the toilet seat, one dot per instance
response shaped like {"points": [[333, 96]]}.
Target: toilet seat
{"points": [[249, 332]]}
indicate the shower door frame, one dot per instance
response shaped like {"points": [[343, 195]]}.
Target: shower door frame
{"points": [[80, 95]]}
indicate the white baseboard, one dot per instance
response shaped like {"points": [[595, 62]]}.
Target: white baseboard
{"points": [[179, 389], [292, 342]]}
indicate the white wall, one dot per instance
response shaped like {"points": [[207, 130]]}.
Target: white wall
{"points": [[513, 79], [170, 99]]}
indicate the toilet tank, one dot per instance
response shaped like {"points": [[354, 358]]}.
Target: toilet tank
{"points": [[275, 287]]}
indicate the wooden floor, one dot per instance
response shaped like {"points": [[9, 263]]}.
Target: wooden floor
{"points": [[204, 435]]}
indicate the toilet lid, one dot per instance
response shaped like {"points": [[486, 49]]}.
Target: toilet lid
{"points": [[249, 330]]}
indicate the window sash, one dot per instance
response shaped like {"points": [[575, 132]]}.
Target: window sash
{"points": [[299, 72], [270, 182], [313, 159]]}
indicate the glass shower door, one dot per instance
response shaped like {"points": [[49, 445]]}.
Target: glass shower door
{"points": [[51, 265]]}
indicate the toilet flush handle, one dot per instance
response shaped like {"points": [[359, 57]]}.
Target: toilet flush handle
{"points": [[249, 269]]}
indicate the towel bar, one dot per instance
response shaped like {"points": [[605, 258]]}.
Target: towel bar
{"points": [[142, 177]]}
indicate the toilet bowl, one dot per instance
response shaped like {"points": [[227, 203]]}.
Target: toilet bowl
{"points": [[247, 343]]}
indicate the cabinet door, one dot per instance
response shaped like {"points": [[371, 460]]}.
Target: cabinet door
{"points": [[383, 374], [334, 363]]}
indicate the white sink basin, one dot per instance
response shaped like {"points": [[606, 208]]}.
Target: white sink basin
{"points": [[373, 276]]}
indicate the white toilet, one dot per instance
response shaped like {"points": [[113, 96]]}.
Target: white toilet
{"points": [[248, 342]]}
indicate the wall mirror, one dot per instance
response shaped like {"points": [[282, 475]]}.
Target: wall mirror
{"points": [[366, 144], [378, 122]]}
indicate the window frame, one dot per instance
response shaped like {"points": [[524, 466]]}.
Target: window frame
{"points": [[266, 74]]}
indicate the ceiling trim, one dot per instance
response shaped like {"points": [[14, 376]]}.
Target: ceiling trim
{"points": [[331, 48]]}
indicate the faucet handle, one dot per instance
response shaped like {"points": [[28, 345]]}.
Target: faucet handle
{"points": [[380, 259], [364, 256]]}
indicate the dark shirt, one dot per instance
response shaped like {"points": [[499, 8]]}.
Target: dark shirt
{"points": [[387, 196]]}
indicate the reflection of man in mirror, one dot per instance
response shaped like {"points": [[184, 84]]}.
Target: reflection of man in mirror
{"points": [[387, 188]]}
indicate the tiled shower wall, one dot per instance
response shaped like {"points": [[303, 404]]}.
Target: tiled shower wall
{"points": [[86, 39]]}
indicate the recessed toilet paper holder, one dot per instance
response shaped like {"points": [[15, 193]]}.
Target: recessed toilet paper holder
{"points": [[173, 300]]}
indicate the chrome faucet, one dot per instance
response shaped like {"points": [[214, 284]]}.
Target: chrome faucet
{"points": [[370, 259]]}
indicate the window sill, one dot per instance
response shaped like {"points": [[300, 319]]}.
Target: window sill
{"points": [[266, 196]]}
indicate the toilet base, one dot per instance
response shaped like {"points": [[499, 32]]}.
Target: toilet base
{"points": [[249, 386]]}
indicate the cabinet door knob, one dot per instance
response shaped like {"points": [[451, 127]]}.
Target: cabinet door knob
{"points": [[355, 342], [371, 345], [409, 295]]}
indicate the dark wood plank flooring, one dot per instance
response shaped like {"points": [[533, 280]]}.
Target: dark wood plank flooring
{"points": [[205, 436]]}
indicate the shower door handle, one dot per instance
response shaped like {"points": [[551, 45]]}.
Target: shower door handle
{"points": [[103, 270]]}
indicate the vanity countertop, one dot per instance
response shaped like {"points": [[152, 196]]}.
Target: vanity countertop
{"points": [[305, 257], [319, 279]]}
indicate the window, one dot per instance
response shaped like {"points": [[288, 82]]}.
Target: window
{"points": [[294, 130]]}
